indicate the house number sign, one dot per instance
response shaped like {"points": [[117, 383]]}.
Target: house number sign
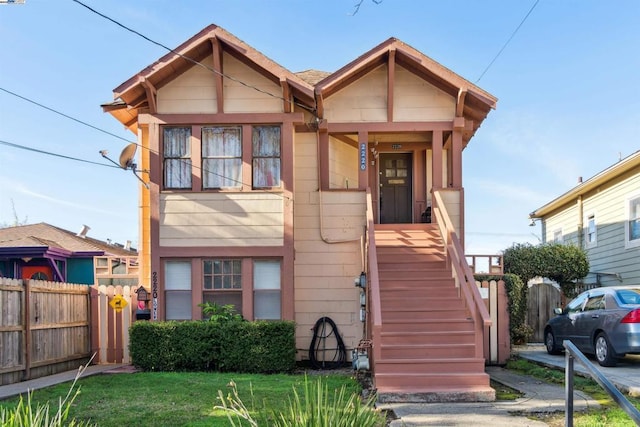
{"points": [[154, 295], [363, 156]]}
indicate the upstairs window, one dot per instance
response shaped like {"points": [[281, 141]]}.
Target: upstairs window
{"points": [[592, 231], [266, 156], [221, 157], [632, 225], [177, 158]]}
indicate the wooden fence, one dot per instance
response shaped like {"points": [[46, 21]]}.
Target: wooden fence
{"points": [[497, 343], [51, 327]]}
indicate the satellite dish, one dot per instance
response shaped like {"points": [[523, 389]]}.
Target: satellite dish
{"points": [[127, 156], [126, 161]]}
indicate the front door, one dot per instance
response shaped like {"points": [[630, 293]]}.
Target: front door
{"points": [[395, 188]]}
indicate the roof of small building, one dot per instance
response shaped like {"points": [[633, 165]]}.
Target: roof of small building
{"points": [[46, 235]]}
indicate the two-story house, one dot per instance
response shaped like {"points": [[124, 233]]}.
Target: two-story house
{"points": [[277, 191], [601, 215]]}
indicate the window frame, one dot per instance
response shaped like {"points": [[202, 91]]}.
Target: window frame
{"points": [[558, 237], [587, 232], [188, 158], [259, 156], [267, 290], [237, 181], [177, 290], [628, 242]]}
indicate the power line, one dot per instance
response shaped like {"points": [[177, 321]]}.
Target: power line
{"points": [[193, 61], [103, 131], [23, 147], [63, 114], [509, 40]]}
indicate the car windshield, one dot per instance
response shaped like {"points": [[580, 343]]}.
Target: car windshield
{"points": [[629, 296]]}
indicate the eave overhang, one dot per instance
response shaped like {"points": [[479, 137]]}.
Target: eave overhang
{"points": [[625, 165]]}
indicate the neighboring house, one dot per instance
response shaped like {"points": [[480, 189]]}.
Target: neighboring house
{"points": [[601, 215], [45, 252], [261, 182]]}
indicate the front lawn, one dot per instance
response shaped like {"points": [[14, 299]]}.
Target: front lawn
{"points": [[177, 398]]}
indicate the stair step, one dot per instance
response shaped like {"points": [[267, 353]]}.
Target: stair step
{"points": [[415, 303], [427, 325], [417, 382], [427, 338], [443, 316], [423, 366], [427, 351]]}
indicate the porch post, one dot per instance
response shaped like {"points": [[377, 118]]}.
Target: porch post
{"points": [[456, 153], [363, 159], [436, 159]]}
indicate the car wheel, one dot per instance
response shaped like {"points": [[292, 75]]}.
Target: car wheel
{"points": [[550, 342], [604, 352]]}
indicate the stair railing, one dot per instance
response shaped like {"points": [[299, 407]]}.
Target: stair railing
{"points": [[462, 273], [374, 311]]}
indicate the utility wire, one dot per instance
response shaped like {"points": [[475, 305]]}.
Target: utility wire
{"points": [[190, 59], [63, 114], [23, 147], [53, 110], [509, 40]]}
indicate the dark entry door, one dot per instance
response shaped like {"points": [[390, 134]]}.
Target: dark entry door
{"points": [[395, 188]]}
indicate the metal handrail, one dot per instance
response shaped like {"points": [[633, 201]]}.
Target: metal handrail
{"points": [[573, 352]]}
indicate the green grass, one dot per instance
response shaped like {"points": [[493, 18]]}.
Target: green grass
{"points": [[609, 414], [175, 398]]}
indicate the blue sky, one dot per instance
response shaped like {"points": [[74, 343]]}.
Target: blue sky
{"points": [[567, 84]]}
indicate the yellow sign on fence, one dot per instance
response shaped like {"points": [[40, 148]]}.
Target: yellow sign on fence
{"points": [[118, 303]]}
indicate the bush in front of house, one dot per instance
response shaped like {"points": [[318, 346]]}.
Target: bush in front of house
{"points": [[238, 346]]}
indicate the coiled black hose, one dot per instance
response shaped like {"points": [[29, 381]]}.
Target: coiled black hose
{"points": [[318, 350]]}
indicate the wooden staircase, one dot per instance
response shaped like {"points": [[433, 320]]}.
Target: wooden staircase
{"points": [[428, 344]]}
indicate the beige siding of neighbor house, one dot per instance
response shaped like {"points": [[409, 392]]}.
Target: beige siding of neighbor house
{"points": [[325, 272], [221, 219], [416, 100], [192, 92], [244, 98], [566, 220], [343, 165], [363, 101]]}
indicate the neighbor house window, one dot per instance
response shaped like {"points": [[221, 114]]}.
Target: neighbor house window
{"points": [[222, 282], [632, 226], [177, 158], [266, 290], [592, 231], [177, 286], [266, 156], [221, 157], [557, 236]]}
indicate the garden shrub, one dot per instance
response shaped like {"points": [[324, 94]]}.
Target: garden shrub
{"points": [[229, 345]]}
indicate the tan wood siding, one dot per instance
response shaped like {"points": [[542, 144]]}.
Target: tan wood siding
{"points": [[363, 101], [324, 273], [239, 98], [417, 100], [567, 221], [343, 165], [221, 219], [192, 92]]}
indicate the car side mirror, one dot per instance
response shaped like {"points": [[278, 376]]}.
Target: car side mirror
{"points": [[557, 310]]}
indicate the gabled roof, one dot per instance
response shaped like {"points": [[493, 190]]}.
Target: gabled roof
{"points": [[44, 235], [627, 164], [132, 94], [308, 87], [476, 102]]}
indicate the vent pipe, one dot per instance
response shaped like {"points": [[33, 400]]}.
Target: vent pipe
{"points": [[84, 231]]}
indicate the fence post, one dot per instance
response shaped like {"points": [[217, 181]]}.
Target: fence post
{"points": [[27, 328]]}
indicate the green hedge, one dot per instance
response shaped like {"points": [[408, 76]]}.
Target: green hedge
{"points": [[255, 347]]}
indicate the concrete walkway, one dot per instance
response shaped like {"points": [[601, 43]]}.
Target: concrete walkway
{"points": [[539, 398]]}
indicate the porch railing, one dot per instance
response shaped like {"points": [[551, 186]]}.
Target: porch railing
{"points": [[463, 275], [374, 314]]}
